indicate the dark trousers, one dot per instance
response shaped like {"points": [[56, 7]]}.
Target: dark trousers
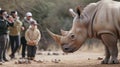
{"points": [[23, 43], [15, 43], [31, 51], [4, 40]]}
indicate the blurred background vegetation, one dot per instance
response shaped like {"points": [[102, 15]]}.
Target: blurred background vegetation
{"points": [[52, 14]]}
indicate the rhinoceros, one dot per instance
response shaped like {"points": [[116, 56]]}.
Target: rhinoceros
{"points": [[97, 20]]}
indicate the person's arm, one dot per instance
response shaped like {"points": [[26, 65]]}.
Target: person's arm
{"points": [[27, 36], [29, 42], [39, 36], [2, 24], [19, 23], [10, 24], [23, 25]]}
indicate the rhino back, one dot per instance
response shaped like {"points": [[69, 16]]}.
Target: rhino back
{"points": [[107, 19]]}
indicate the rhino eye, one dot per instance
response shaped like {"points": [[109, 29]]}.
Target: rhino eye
{"points": [[72, 37]]}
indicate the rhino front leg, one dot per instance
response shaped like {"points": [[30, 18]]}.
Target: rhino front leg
{"points": [[110, 41], [114, 55], [107, 57]]}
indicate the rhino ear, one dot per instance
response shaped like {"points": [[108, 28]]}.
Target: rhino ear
{"points": [[64, 32], [72, 12], [78, 9]]}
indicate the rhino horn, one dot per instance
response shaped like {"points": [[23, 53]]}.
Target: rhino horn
{"points": [[64, 32], [54, 36]]}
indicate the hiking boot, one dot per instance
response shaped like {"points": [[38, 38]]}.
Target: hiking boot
{"points": [[6, 60], [32, 58], [12, 56], [2, 61], [29, 58]]}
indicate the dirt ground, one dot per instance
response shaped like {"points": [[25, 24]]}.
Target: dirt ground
{"points": [[82, 58]]}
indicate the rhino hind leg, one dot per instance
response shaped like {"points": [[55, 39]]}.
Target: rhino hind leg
{"points": [[110, 42]]}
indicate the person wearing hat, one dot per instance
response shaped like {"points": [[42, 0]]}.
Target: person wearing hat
{"points": [[26, 23], [14, 33], [4, 38], [32, 36]]}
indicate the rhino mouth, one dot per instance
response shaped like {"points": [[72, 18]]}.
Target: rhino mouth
{"points": [[69, 49]]}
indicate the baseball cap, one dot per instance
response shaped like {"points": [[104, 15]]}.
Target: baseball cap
{"points": [[28, 14]]}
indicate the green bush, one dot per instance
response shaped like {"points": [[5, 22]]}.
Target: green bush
{"points": [[52, 14]]}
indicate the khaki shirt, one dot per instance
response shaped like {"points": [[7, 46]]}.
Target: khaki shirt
{"points": [[32, 35], [16, 29]]}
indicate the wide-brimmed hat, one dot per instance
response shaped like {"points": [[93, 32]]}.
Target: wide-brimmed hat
{"points": [[33, 22]]}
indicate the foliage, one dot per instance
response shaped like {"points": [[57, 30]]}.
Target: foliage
{"points": [[52, 14]]}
